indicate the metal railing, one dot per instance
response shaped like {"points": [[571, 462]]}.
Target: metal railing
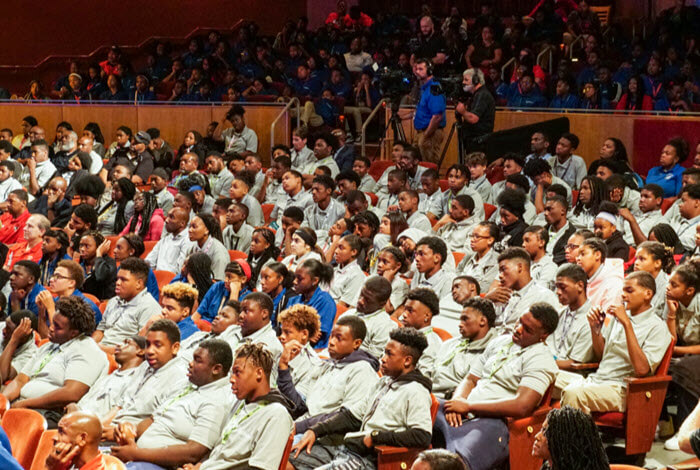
{"points": [[505, 66], [279, 116], [363, 134], [547, 50], [578, 39]]}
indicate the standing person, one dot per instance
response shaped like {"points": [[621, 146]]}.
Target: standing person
{"points": [[429, 119], [477, 119]]}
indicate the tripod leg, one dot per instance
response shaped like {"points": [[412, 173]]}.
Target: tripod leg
{"points": [[447, 144]]}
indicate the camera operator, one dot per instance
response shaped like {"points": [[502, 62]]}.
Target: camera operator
{"points": [[429, 119], [477, 117]]}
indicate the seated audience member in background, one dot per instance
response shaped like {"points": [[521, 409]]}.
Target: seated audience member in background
{"points": [[100, 269], [126, 313], [669, 173], [511, 211], [419, 309], [205, 232], [54, 249], [605, 228], [159, 188], [657, 260], [637, 226], [14, 218], [178, 300], [259, 440], [483, 264], [542, 267], [220, 178], [172, 247], [477, 163], [605, 278], [507, 380], [348, 277], [308, 279], [408, 205], [24, 282], [18, 346], [326, 210], [64, 369], [148, 218], [361, 167], [77, 443], [235, 286], [237, 234], [298, 324], [225, 327], [54, 203], [391, 264], [689, 210], [453, 360], [454, 228], [645, 341], [29, 248], [185, 428], [565, 165], [397, 412], [431, 253], [558, 228]]}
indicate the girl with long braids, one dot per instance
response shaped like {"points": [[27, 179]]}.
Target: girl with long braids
{"points": [[113, 216], [591, 193], [569, 440], [664, 233], [263, 251], [99, 268], [196, 271], [148, 219]]}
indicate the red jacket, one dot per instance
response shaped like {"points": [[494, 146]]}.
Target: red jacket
{"points": [[21, 251], [647, 104], [12, 230]]}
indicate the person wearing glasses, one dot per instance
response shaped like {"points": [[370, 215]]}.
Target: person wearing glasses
{"points": [[483, 264]]}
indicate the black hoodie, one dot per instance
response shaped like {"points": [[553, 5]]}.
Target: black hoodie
{"points": [[276, 397], [343, 421], [286, 386]]}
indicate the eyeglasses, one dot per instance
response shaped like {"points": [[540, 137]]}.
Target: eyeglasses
{"points": [[571, 246], [58, 276], [474, 236]]}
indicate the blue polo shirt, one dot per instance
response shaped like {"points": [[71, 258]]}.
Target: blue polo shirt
{"points": [[215, 298], [669, 180], [564, 102], [187, 328], [276, 302], [428, 106], [7, 461], [152, 285], [29, 301], [95, 308], [325, 306]]}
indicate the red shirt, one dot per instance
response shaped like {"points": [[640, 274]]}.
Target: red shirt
{"points": [[108, 68], [98, 463], [22, 251], [12, 230]]}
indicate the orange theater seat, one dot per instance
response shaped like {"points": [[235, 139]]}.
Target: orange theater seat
{"points": [[267, 210], [4, 405], [378, 167], [43, 449], [112, 244], [428, 165], [489, 209], [93, 298], [24, 428], [148, 246], [444, 185], [443, 334], [203, 325], [287, 452], [667, 203], [373, 197], [235, 254], [163, 278]]}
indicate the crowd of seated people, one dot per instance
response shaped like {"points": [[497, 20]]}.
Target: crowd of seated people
{"points": [[334, 68], [327, 294]]}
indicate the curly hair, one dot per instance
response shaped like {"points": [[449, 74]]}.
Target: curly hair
{"points": [[302, 317], [184, 294], [78, 312], [412, 340], [573, 441], [257, 355]]}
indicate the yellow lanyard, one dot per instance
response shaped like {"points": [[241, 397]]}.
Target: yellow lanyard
{"points": [[238, 423]]}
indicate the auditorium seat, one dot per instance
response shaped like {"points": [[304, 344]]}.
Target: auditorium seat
{"points": [[428, 165], [24, 428], [378, 167], [112, 244], [267, 210], [373, 197], [443, 334], [489, 209], [458, 257], [4, 405], [667, 203], [43, 449], [93, 298], [287, 452], [163, 278], [235, 254], [203, 325], [522, 435], [148, 247], [444, 185]]}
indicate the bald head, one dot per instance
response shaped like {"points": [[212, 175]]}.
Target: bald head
{"points": [[58, 184], [82, 429], [37, 133], [176, 220], [426, 26]]}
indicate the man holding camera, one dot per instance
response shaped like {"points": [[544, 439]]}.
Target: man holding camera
{"points": [[429, 119], [477, 117]]}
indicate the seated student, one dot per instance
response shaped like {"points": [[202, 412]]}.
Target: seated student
{"points": [[477, 163], [292, 219], [453, 360], [565, 165], [636, 227], [657, 260], [347, 274], [374, 295], [571, 341], [254, 164], [430, 190], [526, 94], [397, 182], [605, 228], [308, 278], [239, 192], [521, 183], [604, 278], [224, 326], [324, 148], [104, 395], [65, 281], [298, 325], [18, 346], [185, 200], [631, 345], [257, 428], [24, 282], [205, 232], [64, 369], [272, 188], [262, 253], [558, 228], [220, 178], [254, 320], [154, 381], [408, 203], [690, 216], [345, 182], [325, 211], [508, 380], [7, 182], [483, 264], [361, 166], [620, 193], [397, 413], [302, 246], [431, 253], [54, 249], [235, 286], [342, 381], [457, 180], [170, 251], [276, 281], [127, 312], [29, 248], [159, 187], [454, 228], [188, 168], [184, 428], [690, 176], [294, 196], [511, 211], [178, 300], [419, 309], [516, 290], [99, 268], [542, 267], [541, 175], [391, 263], [15, 217]]}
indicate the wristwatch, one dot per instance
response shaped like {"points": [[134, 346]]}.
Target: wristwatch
{"points": [[374, 434]]}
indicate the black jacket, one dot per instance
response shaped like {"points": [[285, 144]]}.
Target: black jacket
{"points": [[618, 247], [559, 249]]}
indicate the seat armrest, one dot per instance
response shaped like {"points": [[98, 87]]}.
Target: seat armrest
{"points": [[584, 365], [638, 381], [389, 450]]}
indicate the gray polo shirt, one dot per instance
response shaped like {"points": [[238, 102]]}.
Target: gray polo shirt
{"points": [[544, 271], [232, 335], [347, 283], [255, 213], [302, 368], [254, 436], [149, 389], [239, 240], [123, 319], [170, 252], [218, 254], [165, 200], [23, 354], [321, 220], [484, 270], [419, 221], [302, 158], [505, 366], [687, 322], [367, 184], [245, 141], [572, 171], [267, 337], [520, 302], [456, 234], [453, 360], [220, 183], [302, 200], [379, 324], [426, 363], [440, 282], [653, 337], [52, 365], [190, 414], [572, 338], [441, 205], [106, 392]]}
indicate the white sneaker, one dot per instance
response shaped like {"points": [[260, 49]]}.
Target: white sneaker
{"points": [[672, 444]]}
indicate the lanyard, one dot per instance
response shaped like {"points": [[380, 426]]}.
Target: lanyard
{"points": [[189, 389], [45, 361], [568, 321], [238, 423], [462, 346], [498, 365]]}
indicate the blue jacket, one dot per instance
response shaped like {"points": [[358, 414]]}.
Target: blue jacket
{"points": [[215, 298], [567, 102], [187, 328], [531, 100], [671, 180]]}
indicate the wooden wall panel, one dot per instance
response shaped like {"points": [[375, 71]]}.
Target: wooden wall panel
{"points": [[174, 121], [48, 116], [109, 117]]}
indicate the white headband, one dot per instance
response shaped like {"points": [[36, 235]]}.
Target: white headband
{"points": [[607, 216]]}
